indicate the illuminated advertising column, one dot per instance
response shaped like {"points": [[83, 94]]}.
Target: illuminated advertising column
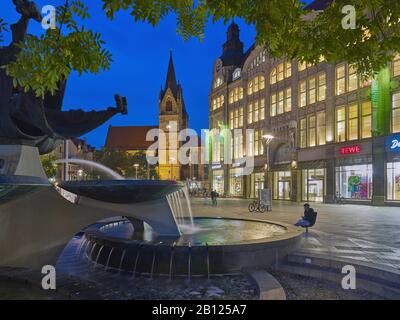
{"points": [[381, 108]]}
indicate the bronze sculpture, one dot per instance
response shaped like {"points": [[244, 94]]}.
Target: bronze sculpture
{"points": [[28, 120]]}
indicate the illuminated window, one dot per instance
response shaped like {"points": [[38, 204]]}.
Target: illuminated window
{"points": [[236, 74], [280, 102], [353, 79], [255, 85], [258, 143], [341, 124], [366, 120], [218, 102], [273, 78], [288, 105], [231, 97], [250, 88], [303, 94], [340, 80], [303, 133], [288, 71], [273, 105], [255, 114], [241, 117], [311, 131], [396, 66], [321, 128], [353, 122], [311, 91], [262, 109], [321, 87], [231, 116], [218, 82], [281, 72], [396, 112], [250, 114], [250, 143]]}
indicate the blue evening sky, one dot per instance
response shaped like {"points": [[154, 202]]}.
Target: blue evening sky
{"points": [[140, 54]]}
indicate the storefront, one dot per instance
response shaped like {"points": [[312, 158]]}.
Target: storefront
{"points": [[354, 181], [218, 181], [313, 185], [282, 185], [393, 168], [257, 183], [236, 182]]}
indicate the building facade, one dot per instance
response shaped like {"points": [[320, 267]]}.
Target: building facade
{"points": [[172, 118], [336, 136]]}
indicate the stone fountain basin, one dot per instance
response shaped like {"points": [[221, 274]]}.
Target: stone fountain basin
{"points": [[122, 191]]}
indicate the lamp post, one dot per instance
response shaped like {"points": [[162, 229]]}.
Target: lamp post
{"points": [[136, 165], [268, 139]]}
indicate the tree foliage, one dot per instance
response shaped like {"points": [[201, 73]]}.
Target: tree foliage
{"points": [[123, 163], [283, 27], [50, 168], [46, 59]]}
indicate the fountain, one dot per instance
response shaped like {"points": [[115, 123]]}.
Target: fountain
{"points": [[162, 238]]}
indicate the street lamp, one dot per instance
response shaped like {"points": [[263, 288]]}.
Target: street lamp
{"points": [[136, 165], [80, 174], [268, 139]]}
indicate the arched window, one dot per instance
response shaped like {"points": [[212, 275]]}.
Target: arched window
{"points": [[168, 106]]}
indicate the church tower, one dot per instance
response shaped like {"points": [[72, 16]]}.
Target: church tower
{"points": [[172, 119]]}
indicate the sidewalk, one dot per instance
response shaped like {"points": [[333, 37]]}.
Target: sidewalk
{"points": [[364, 233]]}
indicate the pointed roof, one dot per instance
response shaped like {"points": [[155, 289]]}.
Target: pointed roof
{"points": [[171, 77]]}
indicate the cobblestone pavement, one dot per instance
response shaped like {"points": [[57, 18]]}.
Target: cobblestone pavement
{"points": [[364, 233]]}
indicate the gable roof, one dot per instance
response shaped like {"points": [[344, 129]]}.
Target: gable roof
{"points": [[128, 138]]}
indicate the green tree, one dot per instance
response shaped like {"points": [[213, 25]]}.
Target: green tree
{"points": [[50, 168], [284, 28], [124, 163]]}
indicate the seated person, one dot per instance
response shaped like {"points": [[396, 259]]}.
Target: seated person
{"points": [[309, 214]]}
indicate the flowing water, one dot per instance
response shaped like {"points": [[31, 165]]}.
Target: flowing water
{"points": [[93, 164]]}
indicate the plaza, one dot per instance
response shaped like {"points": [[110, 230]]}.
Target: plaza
{"points": [[292, 192]]}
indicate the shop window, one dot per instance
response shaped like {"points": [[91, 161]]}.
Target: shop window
{"points": [[282, 185], [393, 181], [396, 112], [366, 120], [313, 188], [341, 124], [354, 182]]}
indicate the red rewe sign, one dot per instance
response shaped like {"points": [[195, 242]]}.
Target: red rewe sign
{"points": [[350, 150]]}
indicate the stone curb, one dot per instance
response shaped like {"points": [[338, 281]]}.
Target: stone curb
{"points": [[384, 282], [268, 287]]}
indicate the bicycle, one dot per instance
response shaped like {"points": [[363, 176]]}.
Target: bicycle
{"points": [[257, 205]]}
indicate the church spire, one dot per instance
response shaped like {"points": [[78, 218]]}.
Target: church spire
{"points": [[171, 77]]}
